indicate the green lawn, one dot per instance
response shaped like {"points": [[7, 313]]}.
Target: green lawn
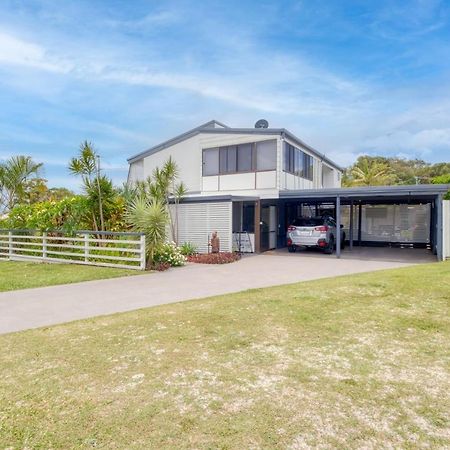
{"points": [[351, 362], [23, 275]]}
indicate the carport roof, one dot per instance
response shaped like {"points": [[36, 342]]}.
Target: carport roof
{"points": [[421, 191], [217, 198]]}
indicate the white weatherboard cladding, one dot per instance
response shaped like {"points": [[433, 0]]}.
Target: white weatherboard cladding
{"points": [[187, 155], [266, 180], [446, 229], [221, 140], [292, 182], [237, 181], [244, 183], [136, 171], [210, 184], [329, 177], [198, 220]]}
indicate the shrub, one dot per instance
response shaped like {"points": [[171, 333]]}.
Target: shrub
{"points": [[188, 249], [214, 258], [169, 253], [67, 214], [443, 179], [159, 266]]}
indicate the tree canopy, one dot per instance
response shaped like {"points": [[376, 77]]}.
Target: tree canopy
{"points": [[380, 170]]}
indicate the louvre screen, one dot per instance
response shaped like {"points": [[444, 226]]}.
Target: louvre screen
{"points": [[396, 223]]}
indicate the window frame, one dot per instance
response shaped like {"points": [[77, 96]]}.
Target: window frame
{"points": [[204, 151], [293, 157], [226, 149], [255, 155]]}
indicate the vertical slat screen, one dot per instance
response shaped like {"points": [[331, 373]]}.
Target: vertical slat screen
{"points": [[196, 222]]}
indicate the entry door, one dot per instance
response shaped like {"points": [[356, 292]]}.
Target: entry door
{"points": [[268, 228]]}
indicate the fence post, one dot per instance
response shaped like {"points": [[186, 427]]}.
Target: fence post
{"points": [[10, 244], [44, 245], [142, 247], [86, 247]]}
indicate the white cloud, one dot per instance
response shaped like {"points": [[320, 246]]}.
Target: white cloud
{"points": [[413, 143], [285, 86], [342, 115], [17, 52]]}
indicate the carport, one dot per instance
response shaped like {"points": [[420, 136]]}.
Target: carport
{"points": [[409, 216]]}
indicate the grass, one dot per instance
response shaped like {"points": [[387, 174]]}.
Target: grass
{"points": [[23, 275], [351, 362]]}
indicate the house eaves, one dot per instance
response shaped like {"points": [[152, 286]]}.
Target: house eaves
{"points": [[210, 128], [365, 192], [207, 127]]}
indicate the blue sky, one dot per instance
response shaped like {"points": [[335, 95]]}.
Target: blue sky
{"points": [[347, 77]]}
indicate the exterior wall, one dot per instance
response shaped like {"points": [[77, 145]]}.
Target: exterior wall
{"points": [[330, 177], [288, 181], [196, 222], [446, 229], [136, 171], [292, 182], [266, 184], [188, 158], [262, 184]]}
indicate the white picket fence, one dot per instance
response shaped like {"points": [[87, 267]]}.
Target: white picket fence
{"points": [[95, 248]]}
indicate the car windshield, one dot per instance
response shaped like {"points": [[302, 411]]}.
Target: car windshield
{"points": [[308, 222]]}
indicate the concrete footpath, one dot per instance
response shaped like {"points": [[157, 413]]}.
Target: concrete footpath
{"points": [[32, 308]]}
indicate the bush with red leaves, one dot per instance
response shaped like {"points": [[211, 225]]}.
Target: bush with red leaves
{"points": [[214, 258]]}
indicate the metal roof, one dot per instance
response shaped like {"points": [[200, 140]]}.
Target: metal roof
{"points": [[366, 192], [210, 127], [218, 198]]}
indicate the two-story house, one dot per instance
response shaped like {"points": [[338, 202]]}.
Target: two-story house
{"points": [[249, 183], [227, 170]]}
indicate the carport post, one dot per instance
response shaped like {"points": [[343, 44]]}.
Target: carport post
{"points": [[439, 229], [338, 227], [351, 225], [359, 223]]}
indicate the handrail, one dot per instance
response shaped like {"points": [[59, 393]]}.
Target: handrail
{"points": [[84, 249], [105, 233]]}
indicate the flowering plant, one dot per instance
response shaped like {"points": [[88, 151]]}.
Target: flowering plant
{"points": [[169, 253]]}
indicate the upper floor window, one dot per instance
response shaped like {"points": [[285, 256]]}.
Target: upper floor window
{"points": [[297, 162], [251, 157]]}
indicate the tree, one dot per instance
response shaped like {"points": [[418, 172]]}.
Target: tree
{"points": [[163, 185], [36, 191], [400, 170], [443, 179], [14, 174], [149, 216], [87, 166], [148, 205], [59, 193], [368, 171]]}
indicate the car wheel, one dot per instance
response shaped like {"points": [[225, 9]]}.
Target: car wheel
{"points": [[292, 249], [330, 248]]}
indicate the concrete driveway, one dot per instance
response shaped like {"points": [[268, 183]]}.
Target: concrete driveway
{"points": [[32, 308]]}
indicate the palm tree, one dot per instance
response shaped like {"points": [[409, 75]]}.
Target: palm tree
{"points": [[163, 185], [368, 172], [148, 216], [87, 165], [14, 174]]}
